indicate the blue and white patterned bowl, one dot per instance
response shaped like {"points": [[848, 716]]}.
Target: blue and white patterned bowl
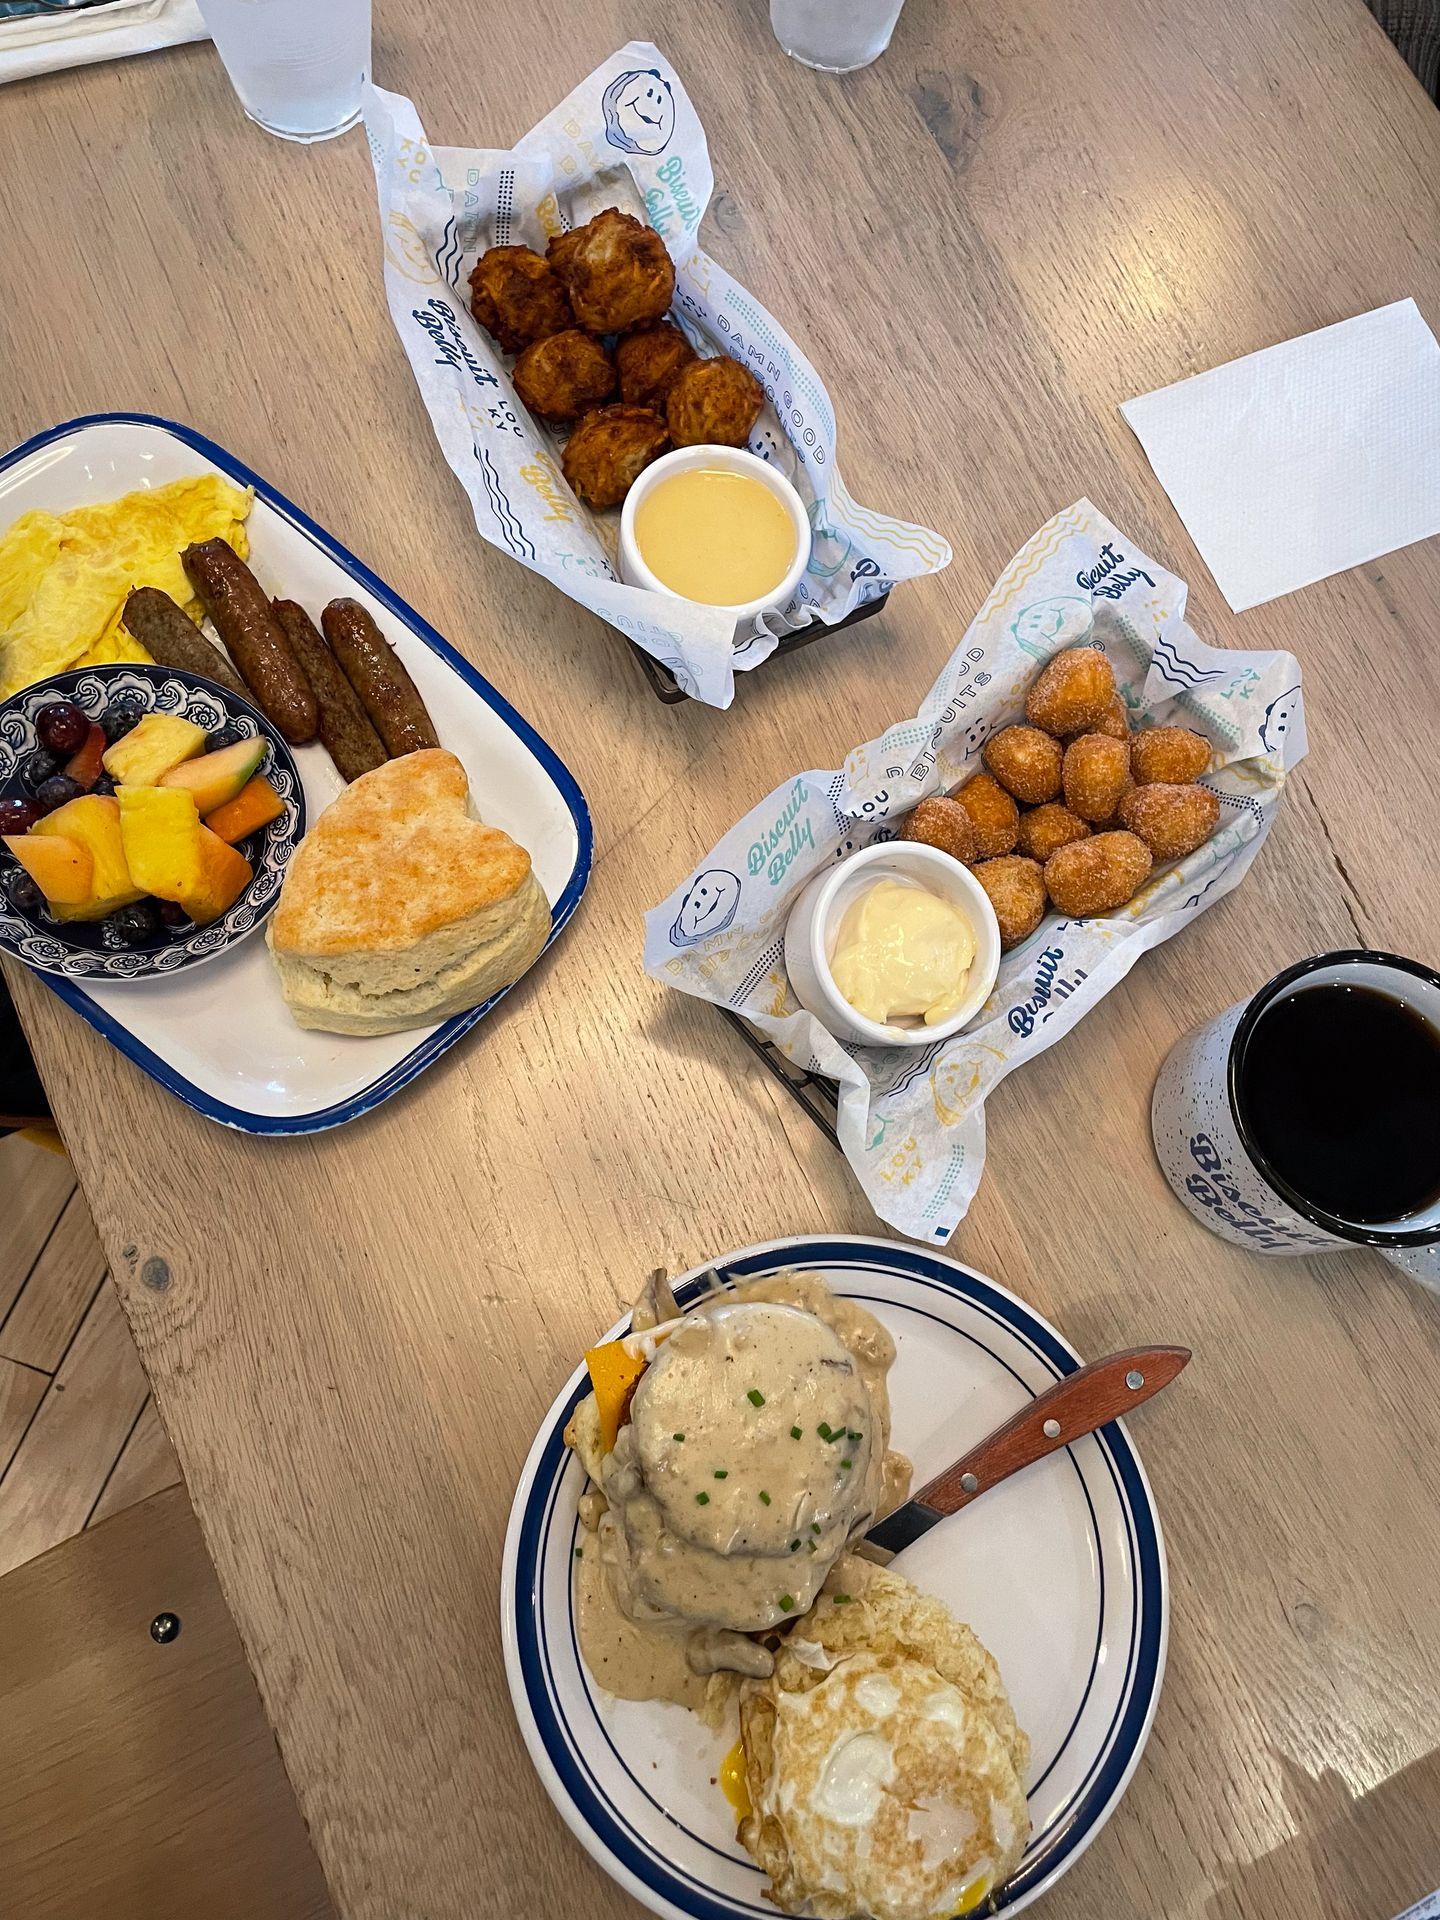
{"points": [[80, 949]]}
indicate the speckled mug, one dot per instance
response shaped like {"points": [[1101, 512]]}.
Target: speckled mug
{"points": [[1209, 1156]]}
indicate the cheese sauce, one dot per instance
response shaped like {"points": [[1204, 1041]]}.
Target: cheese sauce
{"points": [[714, 536], [757, 1447]]}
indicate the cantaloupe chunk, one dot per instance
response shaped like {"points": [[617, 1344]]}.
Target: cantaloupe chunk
{"points": [[224, 876], [255, 806], [216, 778], [614, 1374], [62, 869], [94, 820]]}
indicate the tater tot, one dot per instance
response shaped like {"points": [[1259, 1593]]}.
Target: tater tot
{"points": [[1172, 821], [1115, 721], [1043, 829], [1168, 756], [713, 403], [942, 823], [1072, 693], [1095, 875], [564, 376], [517, 297], [993, 813], [1026, 762], [1096, 776], [1016, 887]]}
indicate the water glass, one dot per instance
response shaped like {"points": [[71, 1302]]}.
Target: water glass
{"points": [[837, 36], [298, 66]]}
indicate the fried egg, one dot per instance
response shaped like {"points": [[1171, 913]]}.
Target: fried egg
{"points": [[64, 578], [883, 1766]]}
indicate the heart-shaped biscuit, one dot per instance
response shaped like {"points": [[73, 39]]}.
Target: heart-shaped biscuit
{"points": [[395, 859]]}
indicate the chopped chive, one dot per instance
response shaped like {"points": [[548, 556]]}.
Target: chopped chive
{"points": [[852, 1435], [677, 1436], [824, 1431], [795, 1432], [836, 1433], [764, 1499], [815, 1526], [755, 1397], [787, 1603], [846, 1463], [579, 1553], [841, 1599], [722, 1473], [794, 1546], [702, 1499], [811, 1545]]}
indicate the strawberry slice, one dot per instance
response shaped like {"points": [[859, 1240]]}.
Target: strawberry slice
{"points": [[84, 767]]}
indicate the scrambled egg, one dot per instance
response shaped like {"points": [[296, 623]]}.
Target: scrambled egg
{"points": [[64, 578]]}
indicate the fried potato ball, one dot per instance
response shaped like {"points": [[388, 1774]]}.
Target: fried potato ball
{"points": [[1072, 693], [608, 449], [713, 403], [1096, 775], [1026, 762], [1171, 756], [1115, 721], [993, 814], [1094, 875], [943, 823], [516, 297], [564, 376], [616, 271], [648, 361], [1172, 821], [1043, 829], [1016, 887]]}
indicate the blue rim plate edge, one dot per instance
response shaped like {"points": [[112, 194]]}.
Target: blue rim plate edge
{"points": [[960, 1279], [445, 1036]]}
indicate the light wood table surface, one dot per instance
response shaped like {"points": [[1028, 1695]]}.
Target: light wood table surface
{"points": [[1024, 214]]}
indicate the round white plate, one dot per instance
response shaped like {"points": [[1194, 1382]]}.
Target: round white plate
{"points": [[1061, 1572]]}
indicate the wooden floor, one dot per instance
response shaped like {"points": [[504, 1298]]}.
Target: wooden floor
{"points": [[79, 1435]]}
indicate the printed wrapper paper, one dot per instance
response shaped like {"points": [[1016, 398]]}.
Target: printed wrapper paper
{"points": [[628, 137], [912, 1120]]}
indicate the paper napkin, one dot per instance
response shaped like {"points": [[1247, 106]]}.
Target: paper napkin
{"points": [[1305, 458]]}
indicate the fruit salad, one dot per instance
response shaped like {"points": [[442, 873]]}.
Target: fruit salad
{"points": [[134, 820]]}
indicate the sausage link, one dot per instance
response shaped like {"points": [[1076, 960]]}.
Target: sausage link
{"points": [[253, 638], [374, 669], [345, 732], [172, 639]]}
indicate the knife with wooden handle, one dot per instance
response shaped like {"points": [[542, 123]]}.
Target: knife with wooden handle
{"points": [[1104, 1390]]}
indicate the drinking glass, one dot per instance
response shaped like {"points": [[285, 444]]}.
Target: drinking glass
{"points": [[298, 66], [837, 36]]}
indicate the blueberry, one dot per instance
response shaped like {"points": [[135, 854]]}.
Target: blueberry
{"points": [[55, 791], [25, 896], [172, 914], [37, 767], [120, 717], [136, 925], [105, 784], [223, 737]]}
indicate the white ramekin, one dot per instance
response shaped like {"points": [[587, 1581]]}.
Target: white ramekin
{"points": [[635, 573], [815, 920]]}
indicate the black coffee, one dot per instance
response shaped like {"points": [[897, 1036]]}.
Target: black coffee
{"points": [[1340, 1090]]}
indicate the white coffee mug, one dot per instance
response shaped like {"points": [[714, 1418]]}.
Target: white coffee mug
{"points": [[1208, 1154]]}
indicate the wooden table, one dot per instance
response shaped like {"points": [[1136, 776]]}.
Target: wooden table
{"points": [[1020, 217]]}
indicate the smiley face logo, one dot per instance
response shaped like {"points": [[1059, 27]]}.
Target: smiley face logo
{"points": [[639, 111], [1278, 716], [1035, 629], [708, 907]]}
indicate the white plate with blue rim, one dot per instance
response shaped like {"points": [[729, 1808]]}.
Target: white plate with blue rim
{"points": [[1059, 1570], [220, 1036]]}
